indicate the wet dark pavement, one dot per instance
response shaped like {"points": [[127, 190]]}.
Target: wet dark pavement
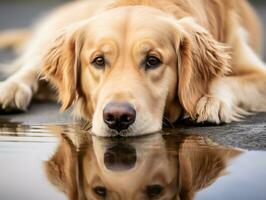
{"points": [[63, 162]]}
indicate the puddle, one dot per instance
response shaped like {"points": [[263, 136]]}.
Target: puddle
{"points": [[63, 162]]}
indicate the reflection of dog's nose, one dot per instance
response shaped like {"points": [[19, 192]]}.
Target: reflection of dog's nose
{"points": [[119, 116], [120, 157]]}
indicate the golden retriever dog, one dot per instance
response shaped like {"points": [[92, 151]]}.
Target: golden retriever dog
{"points": [[151, 167], [126, 65]]}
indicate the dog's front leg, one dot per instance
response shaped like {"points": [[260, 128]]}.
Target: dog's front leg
{"points": [[17, 91], [220, 104], [230, 98]]}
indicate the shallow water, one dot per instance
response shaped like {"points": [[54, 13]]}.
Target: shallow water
{"points": [[63, 162]]}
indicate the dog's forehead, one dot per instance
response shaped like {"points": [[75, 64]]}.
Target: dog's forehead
{"points": [[124, 26], [128, 20]]}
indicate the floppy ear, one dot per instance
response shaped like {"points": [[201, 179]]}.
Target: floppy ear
{"points": [[61, 168], [201, 60], [201, 163], [61, 64]]}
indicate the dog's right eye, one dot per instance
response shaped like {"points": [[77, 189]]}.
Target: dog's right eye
{"points": [[99, 62], [154, 190]]}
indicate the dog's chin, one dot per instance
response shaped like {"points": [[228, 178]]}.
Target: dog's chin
{"points": [[130, 132]]}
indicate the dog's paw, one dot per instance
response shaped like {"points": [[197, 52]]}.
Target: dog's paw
{"points": [[213, 110], [15, 95]]}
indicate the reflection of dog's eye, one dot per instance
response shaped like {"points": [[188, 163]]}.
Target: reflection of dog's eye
{"points": [[152, 62], [100, 191], [153, 190], [99, 62]]}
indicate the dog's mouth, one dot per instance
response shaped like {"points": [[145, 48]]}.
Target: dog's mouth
{"points": [[120, 157], [122, 133]]}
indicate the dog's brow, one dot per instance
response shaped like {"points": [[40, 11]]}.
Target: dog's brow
{"points": [[104, 48], [144, 48], [108, 48]]}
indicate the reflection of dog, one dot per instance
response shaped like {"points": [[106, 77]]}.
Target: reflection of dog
{"points": [[127, 63], [153, 168]]}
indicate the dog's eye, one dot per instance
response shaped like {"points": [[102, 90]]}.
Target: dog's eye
{"points": [[100, 191], [99, 62], [152, 62], [153, 190]]}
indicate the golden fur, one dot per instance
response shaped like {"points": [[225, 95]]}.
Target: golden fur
{"points": [[209, 51], [183, 166]]}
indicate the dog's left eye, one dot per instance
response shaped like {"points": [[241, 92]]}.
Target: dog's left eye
{"points": [[152, 62], [99, 62], [100, 191]]}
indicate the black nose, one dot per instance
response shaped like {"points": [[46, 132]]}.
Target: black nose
{"points": [[119, 116]]}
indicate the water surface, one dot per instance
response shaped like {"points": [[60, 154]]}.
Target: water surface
{"points": [[64, 162]]}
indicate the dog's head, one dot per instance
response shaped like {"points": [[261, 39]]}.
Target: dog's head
{"points": [[152, 167], [129, 67]]}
